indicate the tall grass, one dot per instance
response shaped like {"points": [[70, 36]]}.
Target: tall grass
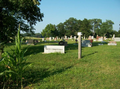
{"points": [[14, 64]]}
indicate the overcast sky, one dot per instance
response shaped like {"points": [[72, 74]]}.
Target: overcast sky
{"points": [[56, 11]]}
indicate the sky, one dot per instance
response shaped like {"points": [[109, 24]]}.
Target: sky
{"points": [[56, 11]]}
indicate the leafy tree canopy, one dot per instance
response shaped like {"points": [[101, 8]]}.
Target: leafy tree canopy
{"points": [[71, 26], [49, 31], [15, 12]]}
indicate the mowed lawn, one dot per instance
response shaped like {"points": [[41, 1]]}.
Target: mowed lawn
{"points": [[99, 67]]}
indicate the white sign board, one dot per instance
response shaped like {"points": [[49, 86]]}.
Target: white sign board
{"points": [[54, 49]]}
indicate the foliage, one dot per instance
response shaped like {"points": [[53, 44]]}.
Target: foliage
{"points": [[61, 29], [117, 33], [71, 26], [49, 31], [87, 27], [14, 63], [106, 28], [14, 12], [95, 23]]}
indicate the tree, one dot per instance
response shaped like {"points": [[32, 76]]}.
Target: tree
{"points": [[117, 33], [71, 26], [61, 30], [14, 12], [106, 28], [95, 23], [49, 31], [85, 28]]}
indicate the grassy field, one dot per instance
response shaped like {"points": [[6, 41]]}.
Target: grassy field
{"points": [[99, 67]]}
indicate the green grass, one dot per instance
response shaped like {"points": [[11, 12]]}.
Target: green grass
{"points": [[99, 67]]}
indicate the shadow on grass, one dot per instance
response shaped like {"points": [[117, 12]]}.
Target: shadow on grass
{"points": [[96, 43], [75, 46], [34, 50], [36, 75], [90, 54]]}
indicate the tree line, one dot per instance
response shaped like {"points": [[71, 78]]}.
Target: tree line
{"points": [[88, 27]]}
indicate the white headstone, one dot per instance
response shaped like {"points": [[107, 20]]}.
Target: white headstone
{"points": [[42, 39], [74, 37], [50, 38], [84, 37], [117, 39], [100, 39], [65, 37], [92, 37], [54, 49], [113, 36], [71, 37]]}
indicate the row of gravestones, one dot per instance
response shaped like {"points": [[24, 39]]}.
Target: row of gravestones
{"points": [[31, 42], [34, 42], [98, 38]]}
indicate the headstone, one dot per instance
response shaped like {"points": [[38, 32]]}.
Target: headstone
{"points": [[30, 42], [62, 38], [92, 37], [42, 39], [86, 43], [56, 37], [54, 49], [105, 38], [113, 36], [63, 43], [112, 43], [117, 39], [53, 38], [50, 38], [71, 37], [100, 39], [84, 36], [26, 41], [74, 37], [65, 37]]}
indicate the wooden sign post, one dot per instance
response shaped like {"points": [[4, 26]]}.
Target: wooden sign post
{"points": [[79, 45]]}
